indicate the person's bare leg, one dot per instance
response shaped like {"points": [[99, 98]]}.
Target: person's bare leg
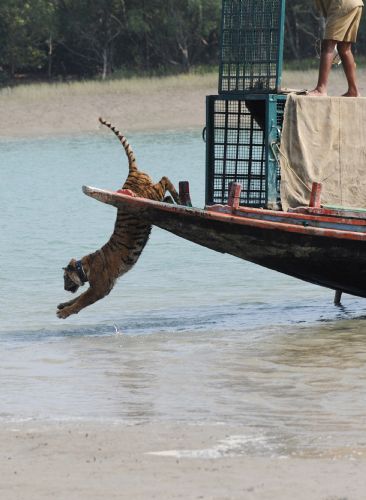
{"points": [[326, 60], [349, 66]]}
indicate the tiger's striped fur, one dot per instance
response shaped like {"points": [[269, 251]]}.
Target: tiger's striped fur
{"points": [[103, 267]]}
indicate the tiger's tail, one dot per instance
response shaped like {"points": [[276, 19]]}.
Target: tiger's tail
{"points": [[132, 165]]}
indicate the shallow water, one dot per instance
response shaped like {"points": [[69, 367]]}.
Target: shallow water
{"points": [[188, 335]]}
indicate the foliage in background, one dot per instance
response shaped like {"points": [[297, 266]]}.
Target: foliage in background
{"points": [[25, 31], [83, 38]]}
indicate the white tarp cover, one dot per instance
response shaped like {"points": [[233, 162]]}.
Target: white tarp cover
{"points": [[324, 140]]}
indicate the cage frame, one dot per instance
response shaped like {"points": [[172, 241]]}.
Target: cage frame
{"points": [[271, 136], [241, 63]]}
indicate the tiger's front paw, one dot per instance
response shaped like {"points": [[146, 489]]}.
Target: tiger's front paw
{"points": [[64, 313]]}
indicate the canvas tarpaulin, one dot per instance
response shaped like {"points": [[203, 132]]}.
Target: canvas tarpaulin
{"points": [[324, 140]]}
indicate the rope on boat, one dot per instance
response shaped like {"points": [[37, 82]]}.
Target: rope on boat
{"points": [[287, 164]]}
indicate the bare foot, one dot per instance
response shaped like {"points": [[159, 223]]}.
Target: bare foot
{"points": [[351, 94], [317, 93]]}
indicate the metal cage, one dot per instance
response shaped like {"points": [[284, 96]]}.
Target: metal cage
{"points": [[241, 138], [252, 36]]}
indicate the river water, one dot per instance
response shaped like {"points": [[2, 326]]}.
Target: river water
{"points": [[188, 335]]}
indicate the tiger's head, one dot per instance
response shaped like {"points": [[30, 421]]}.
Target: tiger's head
{"points": [[74, 276]]}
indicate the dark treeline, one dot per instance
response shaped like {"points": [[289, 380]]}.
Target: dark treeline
{"points": [[84, 38]]}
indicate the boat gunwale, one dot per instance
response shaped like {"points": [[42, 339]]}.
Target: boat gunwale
{"points": [[334, 219], [112, 197]]}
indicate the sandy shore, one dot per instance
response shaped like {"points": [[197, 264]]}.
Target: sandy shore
{"points": [[133, 105], [94, 461], [167, 104]]}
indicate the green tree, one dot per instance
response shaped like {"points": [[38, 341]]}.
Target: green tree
{"points": [[91, 28], [90, 37], [172, 33], [25, 29], [303, 29]]}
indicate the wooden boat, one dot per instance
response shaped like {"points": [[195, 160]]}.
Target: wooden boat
{"points": [[326, 247]]}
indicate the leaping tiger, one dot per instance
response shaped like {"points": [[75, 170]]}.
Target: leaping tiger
{"points": [[102, 268]]}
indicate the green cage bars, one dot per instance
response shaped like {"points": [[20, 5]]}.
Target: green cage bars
{"points": [[252, 37], [245, 119]]}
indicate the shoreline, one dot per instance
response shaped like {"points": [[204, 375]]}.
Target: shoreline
{"points": [[138, 104], [95, 460], [132, 105]]}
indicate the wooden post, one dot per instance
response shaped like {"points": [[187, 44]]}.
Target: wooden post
{"points": [[338, 297], [234, 195], [184, 195], [316, 195]]}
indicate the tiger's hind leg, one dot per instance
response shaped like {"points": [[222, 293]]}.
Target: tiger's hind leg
{"points": [[165, 185]]}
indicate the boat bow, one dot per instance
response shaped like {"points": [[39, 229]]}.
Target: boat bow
{"points": [[328, 251]]}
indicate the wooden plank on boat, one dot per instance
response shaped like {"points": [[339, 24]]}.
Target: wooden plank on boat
{"points": [[303, 215], [184, 194], [316, 195], [234, 195], [326, 211]]}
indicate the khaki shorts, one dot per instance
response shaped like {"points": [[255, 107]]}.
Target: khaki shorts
{"points": [[343, 28]]}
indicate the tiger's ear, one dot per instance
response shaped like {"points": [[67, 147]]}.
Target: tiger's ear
{"points": [[70, 266]]}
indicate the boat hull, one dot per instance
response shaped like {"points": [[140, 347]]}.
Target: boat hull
{"points": [[332, 258]]}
